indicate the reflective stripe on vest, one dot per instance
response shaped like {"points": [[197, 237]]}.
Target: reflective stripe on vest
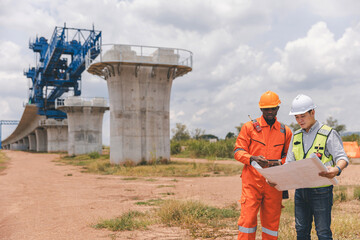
{"points": [[270, 232], [247, 230], [319, 145]]}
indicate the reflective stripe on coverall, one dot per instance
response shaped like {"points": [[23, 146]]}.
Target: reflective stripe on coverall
{"points": [[256, 193]]}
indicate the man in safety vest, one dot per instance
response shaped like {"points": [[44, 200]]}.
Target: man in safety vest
{"points": [[325, 143], [260, 141]]}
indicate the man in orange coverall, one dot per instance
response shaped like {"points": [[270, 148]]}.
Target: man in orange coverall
{"points": [[259, 141]]}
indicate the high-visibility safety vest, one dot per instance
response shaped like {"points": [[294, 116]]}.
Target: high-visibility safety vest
{"points": [[318, 146]]}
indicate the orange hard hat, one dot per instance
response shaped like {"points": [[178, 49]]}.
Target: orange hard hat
{"points": [[269, 100]]}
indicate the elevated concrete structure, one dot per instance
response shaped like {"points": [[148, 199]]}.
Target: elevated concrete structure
{"points": [[35, 132], [85, 118], [28, 123], [139, 82]]}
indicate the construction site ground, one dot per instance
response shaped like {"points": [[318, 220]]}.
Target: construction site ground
{"points": [[43, 199]]}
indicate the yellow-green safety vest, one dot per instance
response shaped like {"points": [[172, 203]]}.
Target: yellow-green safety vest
{"points": [[318, 146]]}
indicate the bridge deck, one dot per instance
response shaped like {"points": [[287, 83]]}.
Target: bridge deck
{"points": [[28, 123]]}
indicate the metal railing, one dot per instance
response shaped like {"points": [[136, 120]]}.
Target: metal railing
{"points": [[83, 101], [52, 122], [141, 55]]}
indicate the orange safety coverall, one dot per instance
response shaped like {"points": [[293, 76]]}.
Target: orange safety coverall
{"points": [[272, 143]]}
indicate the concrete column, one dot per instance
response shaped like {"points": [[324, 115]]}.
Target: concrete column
{"points": [[26, 143], [139, 115], [139, 95], [32, 142], [41, 140], [12, 146], [85, 120], [57, 134], [18, 145]]}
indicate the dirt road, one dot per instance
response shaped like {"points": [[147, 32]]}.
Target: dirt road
{"points": [[41, 199]]}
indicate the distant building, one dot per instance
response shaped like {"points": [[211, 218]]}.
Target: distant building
{"points": [[209, 137]]}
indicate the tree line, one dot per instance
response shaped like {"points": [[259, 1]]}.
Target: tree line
{"points": [[197, 143], [181, 132]]}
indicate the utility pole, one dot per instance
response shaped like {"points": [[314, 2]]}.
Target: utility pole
{"points": [[6, 122]]}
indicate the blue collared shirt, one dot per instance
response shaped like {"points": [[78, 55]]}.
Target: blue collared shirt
{"points": [[334, 144]]}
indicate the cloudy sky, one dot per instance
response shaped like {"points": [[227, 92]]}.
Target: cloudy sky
{"points": [[241, 49]]}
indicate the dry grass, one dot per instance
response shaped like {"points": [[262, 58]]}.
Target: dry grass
{"points": [[345, 222], [207, 222], [201, 220], [102, 165], [3, 161], [129, 221]]}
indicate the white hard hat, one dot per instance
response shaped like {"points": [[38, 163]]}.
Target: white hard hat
{"points": [[301, 104]]}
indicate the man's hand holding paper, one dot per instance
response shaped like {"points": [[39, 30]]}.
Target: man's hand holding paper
{"points": [[300, 174]]}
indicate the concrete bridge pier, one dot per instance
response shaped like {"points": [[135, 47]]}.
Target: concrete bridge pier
{"points": [[13, 146], [41, 140], [85, 118], [139, 88], [19, 145], [32, 142], [25, 141], [56, 134]]}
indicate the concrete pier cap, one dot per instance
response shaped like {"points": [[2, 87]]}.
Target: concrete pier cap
{"points": [[85, 118], [139, 80]]}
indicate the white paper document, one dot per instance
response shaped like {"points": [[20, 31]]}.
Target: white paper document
{"points": [[298, 174]]}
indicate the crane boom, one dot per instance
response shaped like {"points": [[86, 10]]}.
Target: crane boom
{"points": [[60, 65]]}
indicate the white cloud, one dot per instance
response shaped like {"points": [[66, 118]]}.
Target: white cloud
{"points": [[334, 8], [317, 51], [318, 59], [11, 59]]}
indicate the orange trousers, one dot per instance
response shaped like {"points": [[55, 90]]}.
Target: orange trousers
{"points": [[267, 199]]}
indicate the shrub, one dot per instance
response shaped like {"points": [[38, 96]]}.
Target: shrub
{"points": [[357, 193], [175, 147], [128, 221], [219, 149], [94, 155], [340, 196]]}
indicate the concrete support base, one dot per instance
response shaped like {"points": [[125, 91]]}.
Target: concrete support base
{"points": [[139, 115], [85, 120], [32, 142], [26, 143], [18, 146], [41, 140], [57, 134]]}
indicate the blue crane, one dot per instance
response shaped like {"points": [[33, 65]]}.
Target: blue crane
{"points": [[60, 65], [7, 122]]}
